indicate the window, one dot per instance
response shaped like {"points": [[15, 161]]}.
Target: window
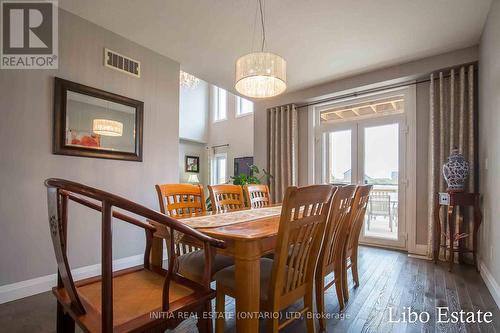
{"points": [[219, 167], [243, 106], [220, 104]]}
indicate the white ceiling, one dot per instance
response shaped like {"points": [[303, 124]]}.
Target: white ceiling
{"points": [[321, 39]]}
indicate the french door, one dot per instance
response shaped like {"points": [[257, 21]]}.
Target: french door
{"points": [[369, 149]]}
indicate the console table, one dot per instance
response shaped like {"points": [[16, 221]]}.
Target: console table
{"points": [[457, 200]]}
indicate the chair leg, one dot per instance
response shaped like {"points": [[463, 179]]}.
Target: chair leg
{"points": [[204, 319], [319, 284], [65, 324], [354, 267], [220, 308], [308, 302], [273, 325], [338, 287], [345, 284]]}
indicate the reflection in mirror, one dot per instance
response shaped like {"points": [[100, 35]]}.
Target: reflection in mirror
{"points": [[95, 123]]}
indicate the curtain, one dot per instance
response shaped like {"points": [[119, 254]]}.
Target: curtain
{"points": [[453, 119], [282, 149]]}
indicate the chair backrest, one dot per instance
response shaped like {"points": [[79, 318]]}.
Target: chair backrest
{"points": [[257, 195], [181, 199], [226, 198], [336, 230], [60, 191], [301, 229], [359, 205]]}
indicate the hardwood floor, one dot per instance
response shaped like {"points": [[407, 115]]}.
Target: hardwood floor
{"points": [[388, 280]]}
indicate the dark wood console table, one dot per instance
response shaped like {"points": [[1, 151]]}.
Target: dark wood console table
{"points": [[457, 200]]}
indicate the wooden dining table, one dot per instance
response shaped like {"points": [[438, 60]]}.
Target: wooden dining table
{"points": [[246, 242]]}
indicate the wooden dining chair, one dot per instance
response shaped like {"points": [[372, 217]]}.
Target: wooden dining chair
{"points": [[226, 198], [137, 299], [332, 251], [257, 195], [181, 199], [358, 211], [290, 276], [184, 200]]}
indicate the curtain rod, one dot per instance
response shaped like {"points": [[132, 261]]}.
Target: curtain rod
{"points": [[382, 88], [218, 146]]}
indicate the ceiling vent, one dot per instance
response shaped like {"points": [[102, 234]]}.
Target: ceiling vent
{"points": [[121, 63]]}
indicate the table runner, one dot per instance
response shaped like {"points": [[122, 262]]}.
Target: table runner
{"points": [[219, 220]]}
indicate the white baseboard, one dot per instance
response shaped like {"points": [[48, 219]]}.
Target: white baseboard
{"points": [[17, 290], [420, 250], [490, 282]]}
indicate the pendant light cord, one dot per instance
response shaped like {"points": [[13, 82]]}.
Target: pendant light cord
{"points": [[262, 23]]}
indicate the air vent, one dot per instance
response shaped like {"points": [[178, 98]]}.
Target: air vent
{"points": [[121, 63]]}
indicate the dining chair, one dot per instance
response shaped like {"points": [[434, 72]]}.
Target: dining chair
{"points": [[181, 199], [290, 276], [358, 212], [184, 200], [226, 198], [332, 251], [257, 195], [137, 299]]}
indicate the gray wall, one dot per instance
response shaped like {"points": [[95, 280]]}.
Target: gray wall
{"points": [[394, 74], [489, 140], [26, 134]]}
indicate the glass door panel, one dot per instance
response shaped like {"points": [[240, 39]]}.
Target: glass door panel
{"points": [[339, 157], [381, 169]]}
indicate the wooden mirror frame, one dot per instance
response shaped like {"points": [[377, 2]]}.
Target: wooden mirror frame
{"points": [[61, 88]]}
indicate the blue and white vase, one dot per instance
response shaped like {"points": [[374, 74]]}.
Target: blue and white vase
{"points": [[456, 171]]}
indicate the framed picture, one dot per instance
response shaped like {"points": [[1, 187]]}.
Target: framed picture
{"points": [[192, 164], [90, 122]]}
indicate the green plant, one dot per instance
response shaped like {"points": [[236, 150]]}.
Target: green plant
{"points": [[256, 178]]}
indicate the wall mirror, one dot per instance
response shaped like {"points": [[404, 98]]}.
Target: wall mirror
{"points": [[91, 122]]}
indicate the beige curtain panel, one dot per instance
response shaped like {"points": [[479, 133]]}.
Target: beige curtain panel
{"points": [[282, 149], [453, 118]]}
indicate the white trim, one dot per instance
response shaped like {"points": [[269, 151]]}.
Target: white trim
{"points": [[311, 146], [411, 173], [490, 282], [18, 290]]}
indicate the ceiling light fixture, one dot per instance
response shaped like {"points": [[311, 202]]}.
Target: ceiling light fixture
{"points": [[188, 81], [107, 127], [261, 74]]}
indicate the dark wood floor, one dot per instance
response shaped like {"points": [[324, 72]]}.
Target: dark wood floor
{"points": [[389, 279]]}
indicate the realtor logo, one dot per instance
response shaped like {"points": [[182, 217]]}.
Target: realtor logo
{"points": [[29, 35]]}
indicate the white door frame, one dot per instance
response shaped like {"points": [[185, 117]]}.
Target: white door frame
{"points": [[316, 139]]}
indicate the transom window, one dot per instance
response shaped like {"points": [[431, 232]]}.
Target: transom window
{"points": [[243, 106], [220, 104], [365, 110]]}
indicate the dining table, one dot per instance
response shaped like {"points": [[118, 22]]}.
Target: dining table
{"points": [[249, 234]]}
